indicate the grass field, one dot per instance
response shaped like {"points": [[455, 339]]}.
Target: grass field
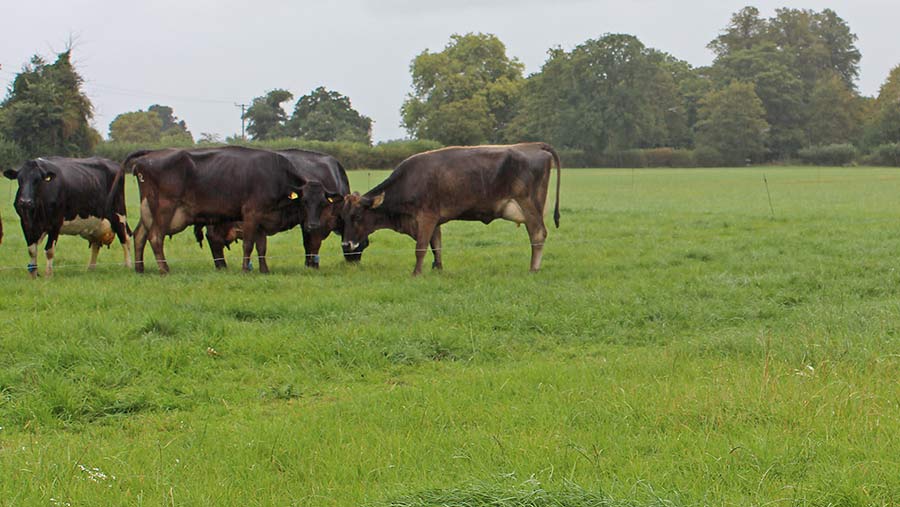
{"points": [[680, 347]]}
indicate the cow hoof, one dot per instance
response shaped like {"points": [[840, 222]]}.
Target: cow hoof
{"points": [[437, 265]]}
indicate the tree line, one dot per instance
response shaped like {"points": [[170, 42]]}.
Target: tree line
{"points": [[780, 88]]}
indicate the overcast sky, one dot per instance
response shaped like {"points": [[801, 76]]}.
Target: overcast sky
{"points": [[203, 56]]}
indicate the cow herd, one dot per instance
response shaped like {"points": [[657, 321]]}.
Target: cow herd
{"points": [[249, 194]]}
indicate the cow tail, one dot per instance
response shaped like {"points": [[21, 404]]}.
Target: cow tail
{"points": [[117, 187], [198, 234], [549, 149]]}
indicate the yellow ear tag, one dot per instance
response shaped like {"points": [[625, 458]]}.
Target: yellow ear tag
{"points": [[293, 195], [331, 199], [48, 178]]}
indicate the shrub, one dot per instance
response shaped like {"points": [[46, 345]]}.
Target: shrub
{"points": [[832, 154], [571, 158], [11, 155], [683, 158], [624, 158], [117, 151], [705, 156], [352, 155], [886, 154], [658, 157]]}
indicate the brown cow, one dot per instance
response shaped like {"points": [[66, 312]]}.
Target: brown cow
{"points": [[326, 184], [458, 183], [211, 186]]}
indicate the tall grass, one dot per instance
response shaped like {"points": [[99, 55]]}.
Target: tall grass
{"points": [[679, 347]]}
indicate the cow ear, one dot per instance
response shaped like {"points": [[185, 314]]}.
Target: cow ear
{"points": [[377, 200], [11, 174]]}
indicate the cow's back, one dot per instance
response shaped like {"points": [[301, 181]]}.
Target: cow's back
{"points": [[85, 185], [325, 169]]}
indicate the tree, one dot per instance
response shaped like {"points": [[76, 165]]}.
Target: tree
{"points": [[46, 113], [732, 122], [209, 138], [325, 115], [745, 30], [611, 93], [835, 112], [790, 58], [142, 127], [172, 128], [465, 94], [885, 124], [777, 85], [265, 116]]}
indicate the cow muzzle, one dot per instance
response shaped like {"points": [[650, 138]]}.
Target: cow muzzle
{"points": [[350, 245], [27, 204]]}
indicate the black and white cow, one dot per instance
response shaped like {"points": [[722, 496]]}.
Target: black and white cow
{"points": [[79, 197]]}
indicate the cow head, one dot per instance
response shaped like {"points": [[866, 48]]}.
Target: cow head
{"points": [[359, 221], [37, 187], [320, 207]]}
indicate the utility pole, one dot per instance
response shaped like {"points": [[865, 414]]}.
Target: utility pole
{"points": [[243, 111]]}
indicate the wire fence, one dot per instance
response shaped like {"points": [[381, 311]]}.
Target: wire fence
{"points": [[150, 260]]}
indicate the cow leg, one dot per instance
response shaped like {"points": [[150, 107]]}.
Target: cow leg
{"points": [[218, 251], [156, 243], [436, 249], [312, 243], [32, 252], [125, 241], [261, 242], [423, 238], [140, 241], [120, 224], [164, 221], [249, 242], [126, 249], [50, 252], [537, 232], [95, 250]]}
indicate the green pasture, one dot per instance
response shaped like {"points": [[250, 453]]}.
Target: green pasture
{"points": [[681, 346]]}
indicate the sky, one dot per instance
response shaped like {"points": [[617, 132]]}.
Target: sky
{"points": [[201, 57]]}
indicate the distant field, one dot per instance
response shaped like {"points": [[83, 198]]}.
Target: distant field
{"points": [[680, 347]]}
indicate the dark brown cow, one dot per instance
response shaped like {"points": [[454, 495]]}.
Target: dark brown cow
{"points": [[76, 196], [320, 200], [458, 183], [211, 186]]}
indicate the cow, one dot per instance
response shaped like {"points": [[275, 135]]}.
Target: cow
{"points": [[457, 183], [210, 186], [320, 200], [74, 196]]}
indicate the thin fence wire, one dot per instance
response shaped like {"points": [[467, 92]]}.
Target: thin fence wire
{"points": [[150, 260]]}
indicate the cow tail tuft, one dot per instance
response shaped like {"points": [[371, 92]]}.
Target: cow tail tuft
{"points": [[549, 149]]}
